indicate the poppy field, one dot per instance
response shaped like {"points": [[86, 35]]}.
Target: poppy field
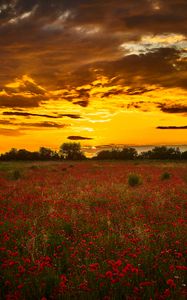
{"points": [[93, 230]]}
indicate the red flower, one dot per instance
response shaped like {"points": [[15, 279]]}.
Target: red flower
{"points": [[146, 283], [20, 286], [21, 269], [166, 293], [93, 267], [171, 283], [108, 274], [63, 281], [184, 268], [172, 268]]}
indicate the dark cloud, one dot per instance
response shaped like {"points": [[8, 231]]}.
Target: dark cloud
{"points": [[24, 125], [20, 101], [156, 67], [113, 92], [43, 125], [83, 103], [130, 91], [171, 127], [26, 114], [54, 40], [138, 91], [72, 116], [76, 137], [175, 109]]}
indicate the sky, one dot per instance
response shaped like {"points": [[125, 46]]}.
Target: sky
{"points": [[98, 72]]}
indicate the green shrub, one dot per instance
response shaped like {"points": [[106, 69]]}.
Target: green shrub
{"points": [[15, 175], [134, 179], [165, 176], [68, 228], [34, 167]]}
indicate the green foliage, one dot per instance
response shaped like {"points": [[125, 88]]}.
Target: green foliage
{"points": [[165, 176], [134, 179]]}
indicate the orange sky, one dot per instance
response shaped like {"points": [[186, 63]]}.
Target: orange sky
{"points": [[98, 72]]}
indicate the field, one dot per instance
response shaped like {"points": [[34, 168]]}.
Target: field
{"points": [[85, 230]]}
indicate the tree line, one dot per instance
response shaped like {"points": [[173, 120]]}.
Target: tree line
{"points": [[72, 151], [129, 153], [67, 151]]}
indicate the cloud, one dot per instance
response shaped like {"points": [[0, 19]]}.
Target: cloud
{"points": [[42, 37], [171, 127], [175, 109], [83, 103], [26, 114], [5, 122], [76, 137], [24, 92], [10, 132], [153, 68], [43, 125], [72, 116], [13, 101]]}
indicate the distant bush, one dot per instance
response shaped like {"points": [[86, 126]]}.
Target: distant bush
{"points": [[134, 179], [165, 176], [67, 227], [34, 167], [15, 175]]}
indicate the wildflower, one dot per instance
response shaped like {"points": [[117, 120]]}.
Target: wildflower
{"points": [[93, 267], [63, 281], [136, 290], [21, 269], [113, 281], [178, 254], [166, 293], [184, 268], [84, 286], [171, 283], [108, 274], [7, 283], [146, 283], [172, 268], [118, 263], [12, 263], [20, 286]]}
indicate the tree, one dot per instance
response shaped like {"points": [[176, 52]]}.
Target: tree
{"points": [[128, 153], [45, 153], [115, 153], [71, 151], [184, 155], [161, 152]]}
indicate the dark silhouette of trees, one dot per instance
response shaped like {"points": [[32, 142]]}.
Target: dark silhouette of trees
{"points": [[71, 151], [45, 153], [161, 152], [23, 154], [124, 154], [129, 153], [184, 155], [105, 154]]}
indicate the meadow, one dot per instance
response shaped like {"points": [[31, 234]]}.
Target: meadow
{"points": [[85, 230]]}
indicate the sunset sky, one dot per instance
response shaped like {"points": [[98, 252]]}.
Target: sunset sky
{"points": [[99, 72]]}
